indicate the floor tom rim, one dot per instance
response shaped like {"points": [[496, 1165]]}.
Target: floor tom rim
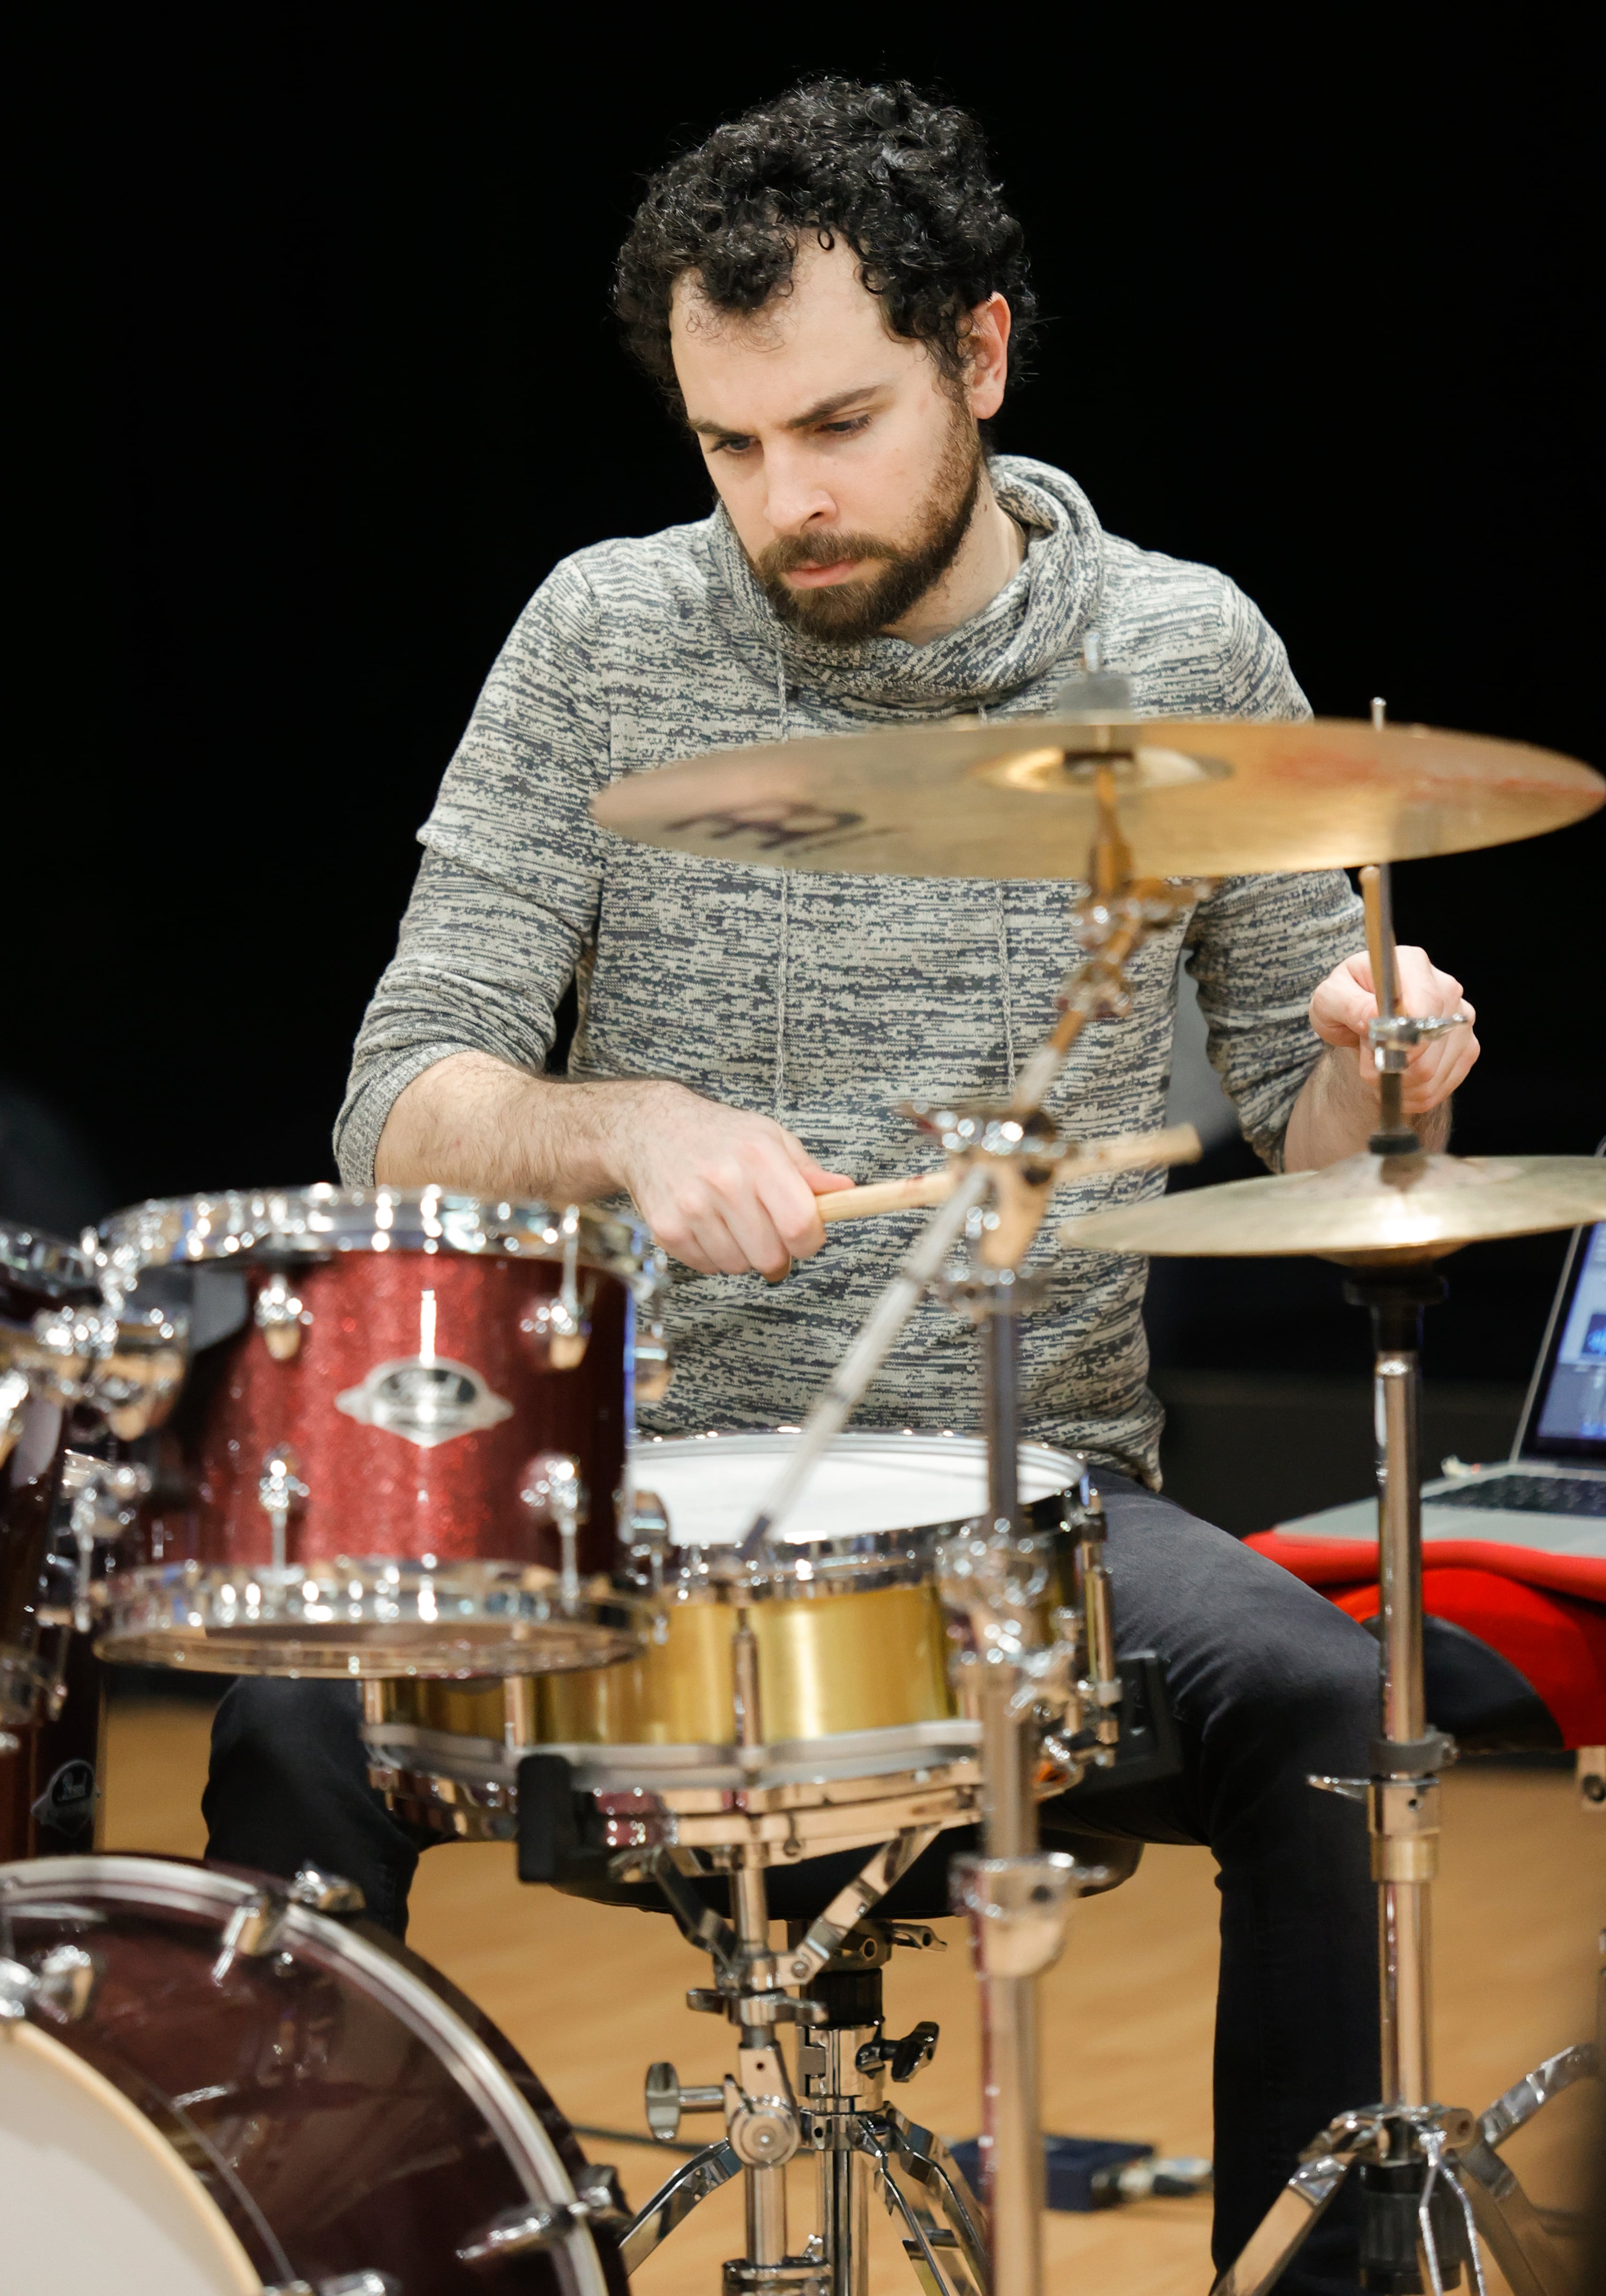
{"points": [[359, 1620]]}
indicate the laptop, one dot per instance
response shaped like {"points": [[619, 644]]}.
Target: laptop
{"points": [[1551, 1493]]}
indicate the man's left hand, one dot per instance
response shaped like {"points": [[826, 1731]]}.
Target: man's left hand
{"points": [[1345, 1001]]}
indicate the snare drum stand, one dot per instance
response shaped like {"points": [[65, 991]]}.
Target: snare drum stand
{"points": [[1432, 2181], [835, 1963]]}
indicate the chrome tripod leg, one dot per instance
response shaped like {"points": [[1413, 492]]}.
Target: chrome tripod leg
{"points": [[935, 2252], [919, 2164], [673, 2201], [1508, 2225], [1523, 2099], [1293, 2216]]}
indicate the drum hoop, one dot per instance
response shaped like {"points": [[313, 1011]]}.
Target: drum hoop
{"points": [[44, 1263], [193, 1890], [857, 1561], [323, 1222]]}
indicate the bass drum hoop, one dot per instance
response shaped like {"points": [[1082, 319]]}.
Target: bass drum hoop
{"points": [[156, 1883]]}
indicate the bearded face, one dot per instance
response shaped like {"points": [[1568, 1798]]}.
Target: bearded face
{"points": [[900, 569]]}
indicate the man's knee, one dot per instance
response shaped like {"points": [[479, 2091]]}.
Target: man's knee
{"points": [[1316, 1684], [285, 1723]]}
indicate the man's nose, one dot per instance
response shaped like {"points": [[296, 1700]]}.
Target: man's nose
{"points": [[794, 497]]}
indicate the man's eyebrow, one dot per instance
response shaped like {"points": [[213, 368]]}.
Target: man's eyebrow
{"points": [[821, 411]]}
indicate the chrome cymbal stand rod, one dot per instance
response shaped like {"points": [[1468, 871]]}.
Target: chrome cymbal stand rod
{"points": [[764, 2124], [1011, 2138], [1403, 1804], [1017, 1898], [1431, 2185]]}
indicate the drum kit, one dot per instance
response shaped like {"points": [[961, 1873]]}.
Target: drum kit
{"points": [[754, 1678]]}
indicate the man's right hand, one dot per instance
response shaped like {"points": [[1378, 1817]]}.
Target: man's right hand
{"points": [[722, 1191]]}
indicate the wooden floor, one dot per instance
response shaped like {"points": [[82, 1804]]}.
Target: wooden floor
{"points": [[592, 1996]]}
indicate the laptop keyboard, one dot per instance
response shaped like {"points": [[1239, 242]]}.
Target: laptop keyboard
{"points": [[1530, 1494]]}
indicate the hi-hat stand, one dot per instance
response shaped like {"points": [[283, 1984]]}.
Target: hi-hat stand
{"points": [[1431, 2182]]}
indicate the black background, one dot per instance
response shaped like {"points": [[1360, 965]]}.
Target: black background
{"points": [[325, 382]]}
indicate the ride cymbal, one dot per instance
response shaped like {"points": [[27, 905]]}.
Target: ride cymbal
{"points": [[1209, 797], [1366, 1208]]}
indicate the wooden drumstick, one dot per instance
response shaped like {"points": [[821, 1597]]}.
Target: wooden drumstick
{"points": [[1123, 1152]]}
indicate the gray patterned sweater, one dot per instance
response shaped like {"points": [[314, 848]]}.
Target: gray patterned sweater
{"points": [[825, 1000]]}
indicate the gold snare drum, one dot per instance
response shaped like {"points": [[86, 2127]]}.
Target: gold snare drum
{"points": [[852, 1644]]}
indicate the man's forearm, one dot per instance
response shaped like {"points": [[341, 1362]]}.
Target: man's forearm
{"points": [[477, 1124], [1335, 1116]]}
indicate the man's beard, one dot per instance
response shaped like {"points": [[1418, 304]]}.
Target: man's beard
{"points": [[846, 613]]}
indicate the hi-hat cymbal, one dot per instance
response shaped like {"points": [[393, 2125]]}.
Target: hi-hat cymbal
{"points": [[1367, 1207], [1206, 797]]}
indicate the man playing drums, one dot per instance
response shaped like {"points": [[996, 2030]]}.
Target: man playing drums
{"points": [[830, 293]]}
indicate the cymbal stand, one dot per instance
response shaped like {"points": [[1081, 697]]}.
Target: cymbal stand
{"points": [[1431, 2185], [1017, 1897]]}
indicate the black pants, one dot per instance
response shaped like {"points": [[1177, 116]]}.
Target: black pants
{"points": [[1268, 1681]]}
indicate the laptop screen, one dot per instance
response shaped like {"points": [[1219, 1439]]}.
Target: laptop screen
{"points": [[1567, 1418]]}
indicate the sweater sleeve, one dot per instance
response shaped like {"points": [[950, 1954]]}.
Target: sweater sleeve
{"points": [[1258, 947], [506, 900]]}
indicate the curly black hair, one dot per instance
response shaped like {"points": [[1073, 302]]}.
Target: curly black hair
{"points": [[904, 180]]}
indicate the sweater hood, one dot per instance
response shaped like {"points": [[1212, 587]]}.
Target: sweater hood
{"points": [[1032, 625]]}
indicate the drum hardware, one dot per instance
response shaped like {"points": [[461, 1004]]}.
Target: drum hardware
{"points": [[526, 2232], [765, 2123], [1592, 1778], [649, 1544], [558, 1329], [258, 1923], [126, 1369], [63, 1985], [281, 1317], [74, 1367], [838, 2111], [554, 1491], [281, 1492], [15, 1389], [101, 1496]]}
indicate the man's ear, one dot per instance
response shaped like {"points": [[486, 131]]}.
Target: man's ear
{"points": [[986, 345]]}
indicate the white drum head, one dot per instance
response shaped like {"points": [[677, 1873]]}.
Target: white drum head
{"points": [[92, 2201], [712, 1486]]}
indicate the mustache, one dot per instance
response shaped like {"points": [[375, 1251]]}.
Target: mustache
{"points": [[791, 551]]}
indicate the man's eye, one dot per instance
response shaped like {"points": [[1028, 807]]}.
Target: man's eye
{"points": [[847, 428], [732, 446]]}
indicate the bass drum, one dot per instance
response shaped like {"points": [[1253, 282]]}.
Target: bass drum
{"points": [[206, 2088]]}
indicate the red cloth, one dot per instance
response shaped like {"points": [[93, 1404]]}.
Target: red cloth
{"points": [[1349, 1561], [1532, 1608]]}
